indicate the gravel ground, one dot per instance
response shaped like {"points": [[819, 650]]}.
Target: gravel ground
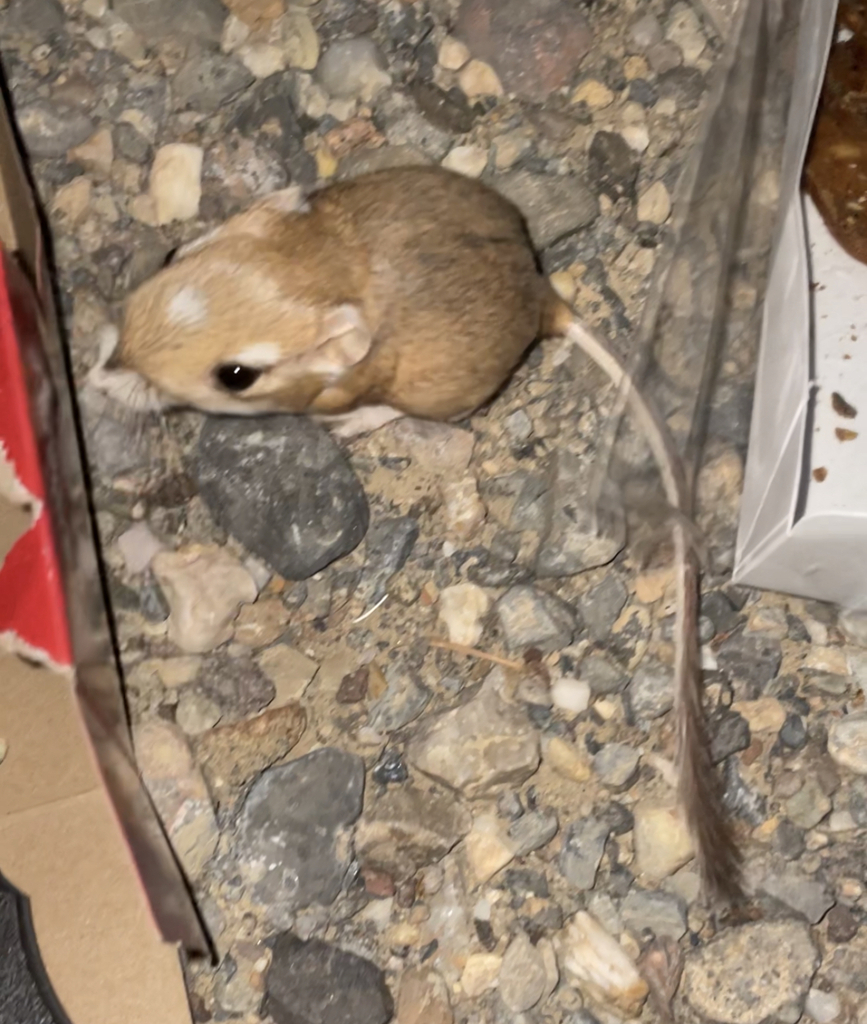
{"points": [[377, 826]]}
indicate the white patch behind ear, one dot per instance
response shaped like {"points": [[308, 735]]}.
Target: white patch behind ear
{"points": [[188, 307]]}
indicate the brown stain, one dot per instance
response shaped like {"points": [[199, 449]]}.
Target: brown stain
{"points": [[820, 473], [845, 435], [842, 407]]}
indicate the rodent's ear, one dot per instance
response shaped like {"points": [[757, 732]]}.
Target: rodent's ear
{"points": [[345, 339]]}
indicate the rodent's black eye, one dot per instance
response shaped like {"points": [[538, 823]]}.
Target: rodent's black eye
{"points": [[234, 377]]}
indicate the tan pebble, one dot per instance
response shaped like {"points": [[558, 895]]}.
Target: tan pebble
{"points": [[262, 59], [260, 624], [635, 67], [720, 482], [72, 201], [594, 93], [326, 163], [453, 54], [827, 659], [480, 973], [564, 285], [467, 160], [567, 759], [300, 41], [652, 586], [654, 204], [662, 841], [486, 850], [174, 672], [176, 182], [464, 509], [479, 79], [766, 714], [289, 670], [95, 155]]}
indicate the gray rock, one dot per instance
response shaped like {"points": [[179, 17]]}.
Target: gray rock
{"points": [[612, 166], [389, 543], [751, 659], [602, 674], [407, 828], [644, 32], [576, 536], [719, 609], [535, 49], [583, 846], [729, 732], [663, 57], [774, 963], [516, 500], [39, 18], [686, 86], [616, 764], [662, 913], [49, 130], [131, 145], [532, 618], [237, 685], [809, 805], [289, 846], [403, 701], [208, 81], [522, 975], [165, 21], [316, 983], [804, 895], [115, 443], [601, 606], [651, 690], [283, 488], [554, 207], [497, 742], [353, 67], [444, 110], [534, 830]]}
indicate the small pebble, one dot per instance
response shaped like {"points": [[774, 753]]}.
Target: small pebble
{"points": [[453, 54], [462, 610], [571, 695], [478, 79], [822, 1007], [175, 182], [467, 160], [616, 764]]}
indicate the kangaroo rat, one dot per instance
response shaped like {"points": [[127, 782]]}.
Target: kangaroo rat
{"points": [[410, 291]]}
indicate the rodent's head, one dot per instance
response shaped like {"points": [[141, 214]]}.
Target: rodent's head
{"points": [[236, 326]]}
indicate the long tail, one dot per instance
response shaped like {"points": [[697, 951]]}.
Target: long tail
{"points": [[699, 789]]}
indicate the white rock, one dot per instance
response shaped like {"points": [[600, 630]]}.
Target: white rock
{"points": [[486, 850], [847, 742], [636, 136], [300, 41], [464, 509], [72, 200], [684, 29], [235, 33], [176, 182], [480, 973], [654, 204], [205, 586], [467, 160], [478, 79], [462, 610], [262, 59], [823, 1007], [138, 546], [662, 841], [453, 54], [595, 963], [353, 69], [571, 694]]}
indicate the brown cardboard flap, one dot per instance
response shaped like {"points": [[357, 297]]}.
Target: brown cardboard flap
{"points": [[60, 847]]}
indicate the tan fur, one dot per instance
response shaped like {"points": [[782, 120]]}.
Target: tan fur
{"points": [[414, 290]]}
